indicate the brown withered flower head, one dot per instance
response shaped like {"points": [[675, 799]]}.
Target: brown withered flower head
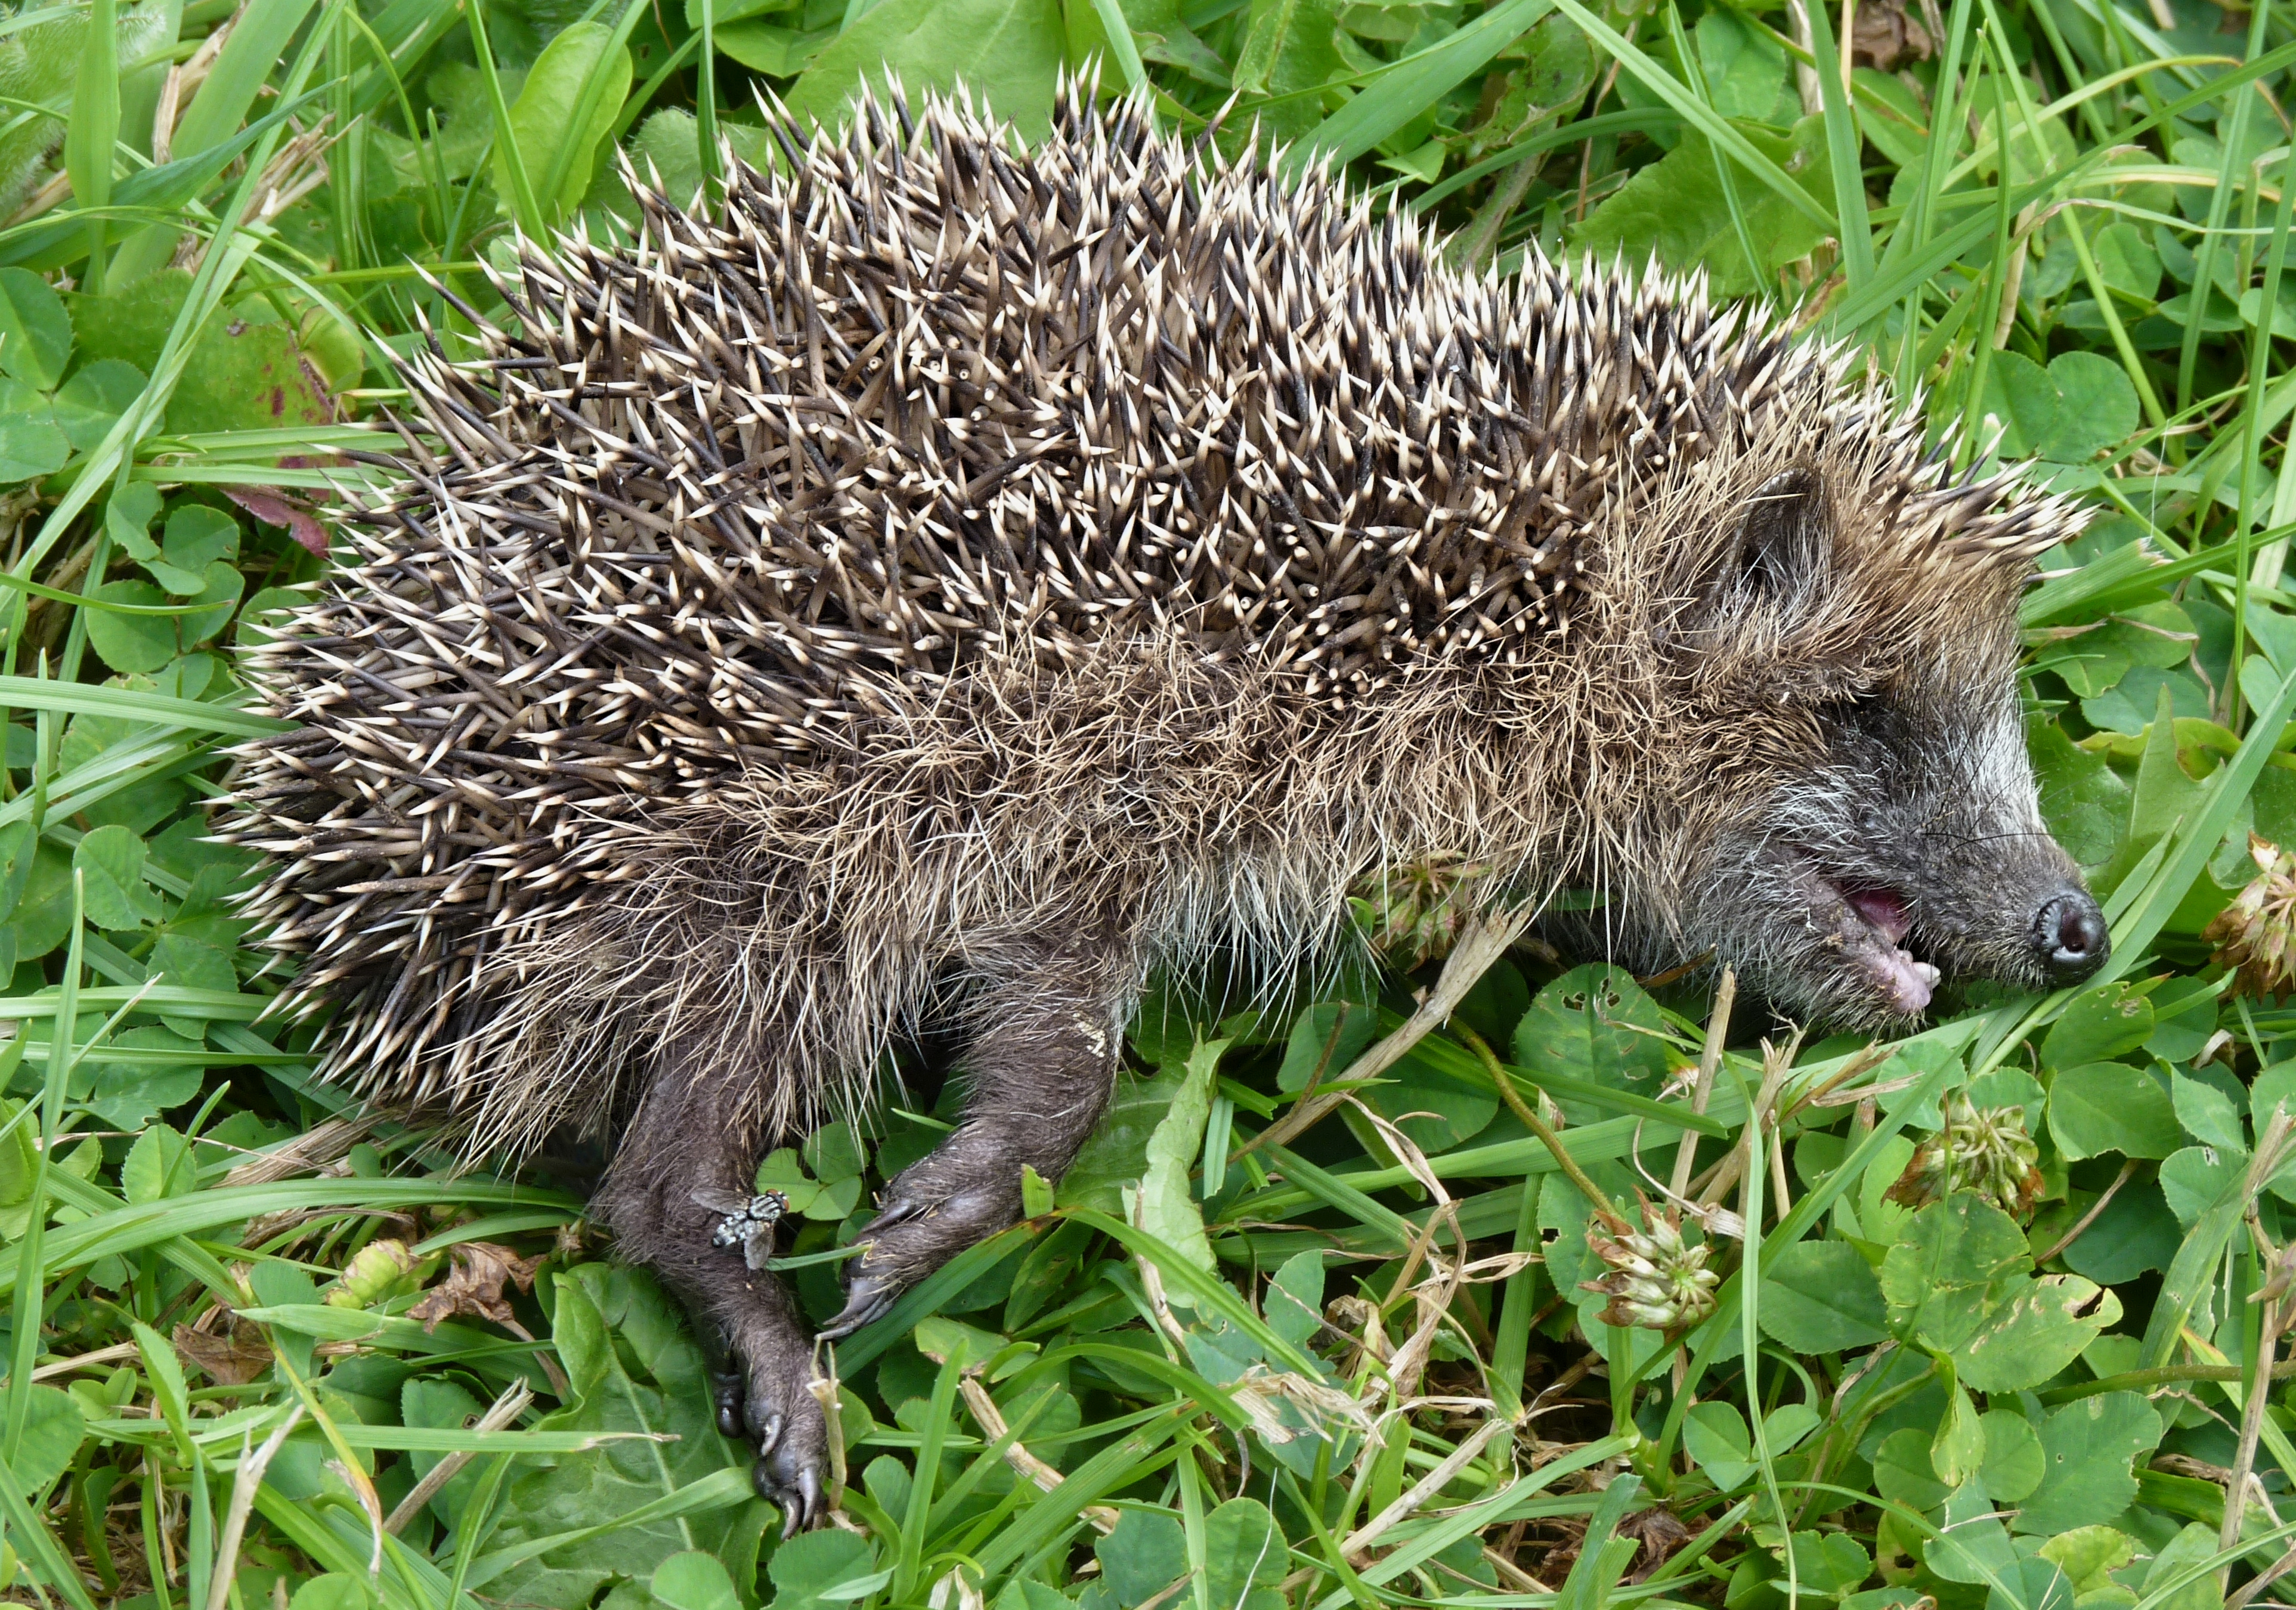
{"points": [[1654, 1278], [1885, 34], [2256, 935], [1985, 1149]]}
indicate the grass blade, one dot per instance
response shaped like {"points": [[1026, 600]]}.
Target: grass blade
{"points": [[259, 38], [94, 128], [1410, 87], [1843, 144], [1698, 114]]}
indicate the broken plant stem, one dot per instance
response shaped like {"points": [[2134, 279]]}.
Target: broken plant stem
{"points": [[1513, 1574], [1407, 1504], [2128, 1172], [562, 1388], [2278, 1310], [1569, 1378], [1830, 1093], [251, 1466], [1539, 1126], [310, 1151], [2251, 1591], [118, 1352], [1486, 940], [823, 1387], [1024, 1464], [500, 1413], [1709, 1063], [1776, 1063]]}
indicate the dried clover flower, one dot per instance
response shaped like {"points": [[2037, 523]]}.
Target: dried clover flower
{"points": [[1656, 1279], [1985, 1149], [1415, 913], [2256, 935]]}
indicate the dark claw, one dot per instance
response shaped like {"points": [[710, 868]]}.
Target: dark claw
{"points": [[769, 1406], [866, 1301], [896, 1209], [725, 1390], [800, 1504], [792, 1486], [769, 1433]]}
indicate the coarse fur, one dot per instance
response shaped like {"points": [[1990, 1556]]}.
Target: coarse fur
{"points": [[952, 582]]}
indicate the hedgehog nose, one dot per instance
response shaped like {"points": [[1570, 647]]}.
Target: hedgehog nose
{"points": [[2069, 937]]}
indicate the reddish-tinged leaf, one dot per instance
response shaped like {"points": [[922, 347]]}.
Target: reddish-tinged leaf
{"points": [[275, 507]]}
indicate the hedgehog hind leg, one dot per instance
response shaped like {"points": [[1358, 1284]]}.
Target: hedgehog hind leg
{"points": [[684, 1138], [1040, 1070]]}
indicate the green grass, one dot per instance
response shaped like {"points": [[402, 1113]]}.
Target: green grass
{"points": [[1353, 1357]]}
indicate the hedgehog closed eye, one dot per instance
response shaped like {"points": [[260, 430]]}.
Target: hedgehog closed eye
{"points": [[671, 748]]}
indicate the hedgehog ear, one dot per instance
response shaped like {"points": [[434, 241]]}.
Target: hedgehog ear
{"points": [[1776, 558], [1780, 550], [1783, 541]]}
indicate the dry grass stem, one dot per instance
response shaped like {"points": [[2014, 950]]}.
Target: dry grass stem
{"points": [[1485, 940], [1024, 1464], [244, 1483], [323, 1143], [1709, 1063], [1408, 1502], [1778, 1065], [500, 1413], [2080, 1227], [119, 1353]]}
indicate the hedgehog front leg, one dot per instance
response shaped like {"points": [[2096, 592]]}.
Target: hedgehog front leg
{"points": [[1040, 1073], [683, 1144]]}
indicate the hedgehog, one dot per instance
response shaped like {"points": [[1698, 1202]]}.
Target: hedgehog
{"points": [[947, 581]]}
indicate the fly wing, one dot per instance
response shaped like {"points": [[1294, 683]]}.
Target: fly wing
{"points": [[723, 1202], [758, 1247]]}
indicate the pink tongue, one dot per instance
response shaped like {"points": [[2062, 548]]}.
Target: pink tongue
{"points": [[1908, 981], [1883, 910]]}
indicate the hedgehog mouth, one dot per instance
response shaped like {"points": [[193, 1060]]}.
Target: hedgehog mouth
{"points": [[1866, 925]]}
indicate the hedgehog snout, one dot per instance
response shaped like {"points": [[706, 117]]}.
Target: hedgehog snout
{"points": [[2069, 937]]}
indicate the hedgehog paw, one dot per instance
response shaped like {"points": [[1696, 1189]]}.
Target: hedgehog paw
{"points": [[915, 1232], [777, 1414]]}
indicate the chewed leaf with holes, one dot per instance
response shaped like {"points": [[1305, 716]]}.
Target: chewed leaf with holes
{"points": [[1594, 1023]]}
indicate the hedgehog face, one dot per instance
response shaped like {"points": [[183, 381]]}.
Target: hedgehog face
{"points": [[1895, 839], [1910, 852]]}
